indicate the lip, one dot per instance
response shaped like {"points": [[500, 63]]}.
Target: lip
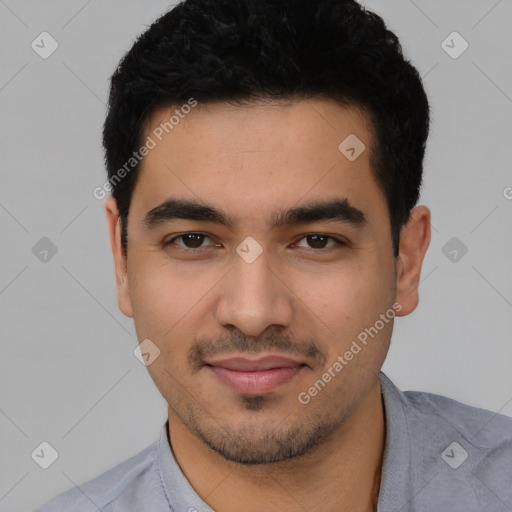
{"points": [[245, 364], [255, 376]]}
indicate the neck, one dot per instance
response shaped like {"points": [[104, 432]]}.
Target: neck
{"points": [[342, 474]]}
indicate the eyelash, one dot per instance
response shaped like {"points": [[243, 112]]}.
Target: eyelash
{"points": [[189, 249]]}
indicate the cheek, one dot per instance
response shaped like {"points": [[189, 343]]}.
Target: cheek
{"points": [[170, 306], [161, 294], [344, 303], [341, 293], [155, 307]]}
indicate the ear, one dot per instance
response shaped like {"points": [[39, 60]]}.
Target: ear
{"points": [[120, 262], [414, 242]]}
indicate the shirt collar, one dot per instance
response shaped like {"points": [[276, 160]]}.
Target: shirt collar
{"points": [[180, 494], [397, 460]]}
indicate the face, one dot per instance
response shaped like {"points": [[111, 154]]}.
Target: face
{"points": [[260, 263]]}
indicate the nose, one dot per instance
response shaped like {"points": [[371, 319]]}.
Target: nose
{"points": [[253, 297]]}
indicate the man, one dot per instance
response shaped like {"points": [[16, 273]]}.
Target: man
{"points": [[265, 160]]}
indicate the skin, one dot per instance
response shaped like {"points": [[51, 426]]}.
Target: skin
{"points": [[250, 162]]}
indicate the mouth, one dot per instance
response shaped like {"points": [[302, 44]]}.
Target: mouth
{"points": [[255, 376]]}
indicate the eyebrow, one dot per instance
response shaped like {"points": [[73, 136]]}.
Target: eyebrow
{"points": [[338, 209]]}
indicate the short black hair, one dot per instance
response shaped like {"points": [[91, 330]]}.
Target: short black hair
{"points": [[238, 51]]}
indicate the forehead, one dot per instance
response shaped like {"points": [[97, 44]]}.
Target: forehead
{"points": [[257, 126], [251, 159]]}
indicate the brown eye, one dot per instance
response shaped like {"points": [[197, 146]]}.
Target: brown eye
{"points": [[319, 241], [188, 240], [193, 240]]}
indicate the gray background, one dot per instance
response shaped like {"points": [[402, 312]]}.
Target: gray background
{"points": [[68, 373]]}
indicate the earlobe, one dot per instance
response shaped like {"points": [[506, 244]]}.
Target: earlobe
{"points": [[414, 242], [120, 261]]}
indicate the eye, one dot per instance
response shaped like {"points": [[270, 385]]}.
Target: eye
{"points": [[189, 240], [318, 241], [194, 241]]}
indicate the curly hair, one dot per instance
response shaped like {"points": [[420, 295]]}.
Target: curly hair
{"points": [[238, 51]]}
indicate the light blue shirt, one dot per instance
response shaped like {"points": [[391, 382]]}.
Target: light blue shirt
{"points": [[440, 456]]}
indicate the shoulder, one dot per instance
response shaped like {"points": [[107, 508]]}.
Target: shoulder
{"points": [[484, 427], [473, 446], [100, 492], [439, 414], [443, 454]]}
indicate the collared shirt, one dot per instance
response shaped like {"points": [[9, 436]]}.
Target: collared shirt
{"points": [[440, 456]]}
